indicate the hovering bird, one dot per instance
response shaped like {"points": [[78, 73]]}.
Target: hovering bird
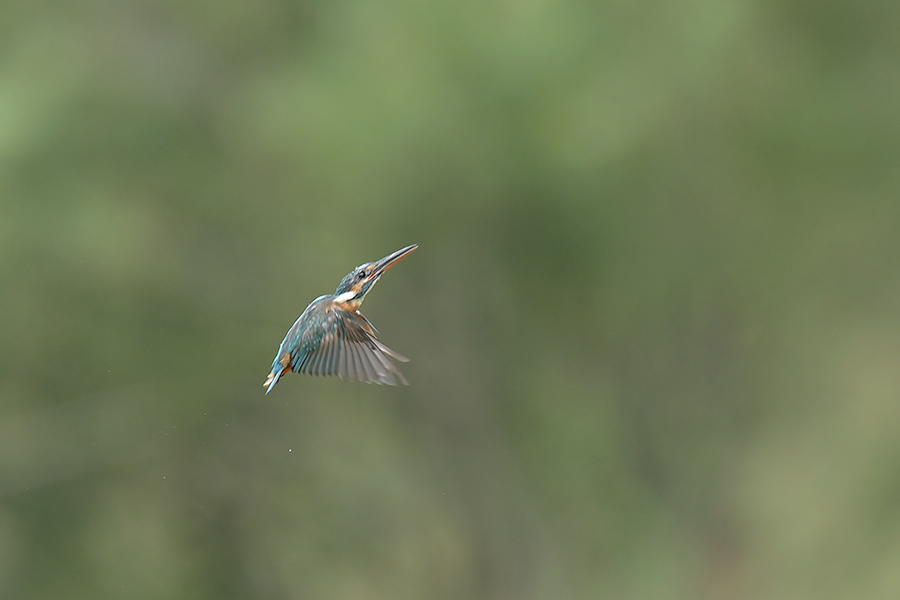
{"points": [[332, 337]]}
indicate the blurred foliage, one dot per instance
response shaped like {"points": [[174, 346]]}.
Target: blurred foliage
{"points": [[653, 316]]}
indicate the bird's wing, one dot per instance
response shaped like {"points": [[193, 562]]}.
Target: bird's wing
{"points": [[349, 349]]}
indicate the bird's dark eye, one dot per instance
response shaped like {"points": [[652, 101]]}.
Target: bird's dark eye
{"points": [[361, 274]]}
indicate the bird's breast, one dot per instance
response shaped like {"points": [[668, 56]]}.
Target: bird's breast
{"points": [[347, 305]]}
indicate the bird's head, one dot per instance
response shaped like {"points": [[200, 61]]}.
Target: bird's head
{"points": [[359, 281]]}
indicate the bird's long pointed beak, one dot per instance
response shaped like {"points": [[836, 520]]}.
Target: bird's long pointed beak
{"points": [[390, 260]]}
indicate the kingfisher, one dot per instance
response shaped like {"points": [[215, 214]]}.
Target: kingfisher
{"points": [[332, 337]]}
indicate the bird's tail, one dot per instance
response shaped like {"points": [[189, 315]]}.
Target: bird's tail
{"points": [[273, 378]]}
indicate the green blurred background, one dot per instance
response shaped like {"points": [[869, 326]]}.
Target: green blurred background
{"points": [[653, 318]]}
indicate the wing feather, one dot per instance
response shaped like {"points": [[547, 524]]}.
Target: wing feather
{"points": [[380, 362], [315, 366], [344, 344], [368, 375], [391, 373], [323, 357], [299, 362], [328, 366], [388, 351], [346, 363], [343, 366], [309, 366], [320, 359], [375, 367], [354, 369], [358, 373]]}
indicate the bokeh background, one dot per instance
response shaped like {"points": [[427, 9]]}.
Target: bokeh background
{"points": [[653, 318]]}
